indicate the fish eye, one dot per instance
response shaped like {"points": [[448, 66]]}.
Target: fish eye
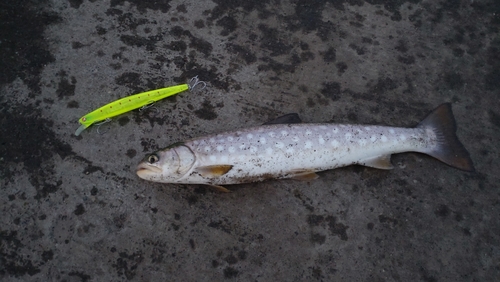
{"points": [[152, 159]]}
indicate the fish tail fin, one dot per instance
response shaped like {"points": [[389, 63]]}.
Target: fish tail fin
{"points": [[449, 149]]}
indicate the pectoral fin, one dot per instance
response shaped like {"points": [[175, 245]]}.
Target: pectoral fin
{"points": [[220, 189], [380, 162], [213, 170], [305, 175]]}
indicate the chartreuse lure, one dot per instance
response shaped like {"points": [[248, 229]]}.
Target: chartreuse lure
{"points": [[133, 102]]}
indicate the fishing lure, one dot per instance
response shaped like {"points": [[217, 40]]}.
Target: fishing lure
{"points": [[133, 102]]}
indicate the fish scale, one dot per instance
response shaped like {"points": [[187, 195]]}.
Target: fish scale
{"points": [[299, 150]]}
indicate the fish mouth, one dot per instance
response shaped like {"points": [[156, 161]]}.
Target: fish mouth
{"points": [[144, 170]]}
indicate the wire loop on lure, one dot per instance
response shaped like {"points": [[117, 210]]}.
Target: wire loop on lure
{"points": [[193, 82], [101, 123]]}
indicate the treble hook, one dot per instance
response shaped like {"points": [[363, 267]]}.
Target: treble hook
{"points": [[193, 82], [148, 105], [101, 123]]}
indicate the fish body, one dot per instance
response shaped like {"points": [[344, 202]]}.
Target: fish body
{"points": [[299, 150]]}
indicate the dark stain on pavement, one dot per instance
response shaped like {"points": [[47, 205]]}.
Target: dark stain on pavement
{"points": [[158, 5], [24, 21], [330, 222], [32, 144]]}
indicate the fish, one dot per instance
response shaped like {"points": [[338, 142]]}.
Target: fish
{"points": [[287, 148]]}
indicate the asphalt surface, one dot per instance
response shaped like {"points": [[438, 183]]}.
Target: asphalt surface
{"points": [[72, 208]]}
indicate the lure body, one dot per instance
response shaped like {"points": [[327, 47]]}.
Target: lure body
{"points": [[127, 104], [299, 150]]}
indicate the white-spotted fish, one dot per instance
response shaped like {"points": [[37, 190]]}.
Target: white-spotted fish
{"points": [[285, 148]]}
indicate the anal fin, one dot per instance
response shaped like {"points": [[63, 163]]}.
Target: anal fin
{"points": [[380, 162], [220, 188], [214, 170], [305, 175]]}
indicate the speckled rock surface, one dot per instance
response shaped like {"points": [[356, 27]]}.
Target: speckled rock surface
{"points": [[72, 208]]}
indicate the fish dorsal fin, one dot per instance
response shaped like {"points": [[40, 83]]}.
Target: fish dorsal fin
{"points": [[286, 119], [380, 162], [304, 175], [213, 170], [220, 188]]}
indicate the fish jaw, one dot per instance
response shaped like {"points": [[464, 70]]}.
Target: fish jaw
{"points": [[148, 171]]}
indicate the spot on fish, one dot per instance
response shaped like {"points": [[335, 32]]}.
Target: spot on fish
{"points": [[207, 149], [253, 149], [295, 139], [308, 132], [359, 130], [249, 136], [323, 127], [290, 150], [224, 159], [383, 138], [284, 133], [335, 130], [271, 134], [391, 131], [220, 148], [367, 128], [263, 140], [373, 138], [402, 137], [213, 158], [321, 140], [335, 144], [348, 136], [212, 140], [308, 144], [362, 142], [231, 149], [269, 151], [242, 146], [230, 138], [279, 145]]}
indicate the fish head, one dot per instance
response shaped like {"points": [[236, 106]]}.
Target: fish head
{"points": [[168, 165]]}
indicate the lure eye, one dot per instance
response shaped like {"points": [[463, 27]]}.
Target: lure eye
{"points": [[152, 159]]}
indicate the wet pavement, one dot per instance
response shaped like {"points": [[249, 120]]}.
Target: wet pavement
{"points": [[73, 209]]}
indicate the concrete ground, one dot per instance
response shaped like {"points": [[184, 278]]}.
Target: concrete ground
{"points": [[72, 208]]}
